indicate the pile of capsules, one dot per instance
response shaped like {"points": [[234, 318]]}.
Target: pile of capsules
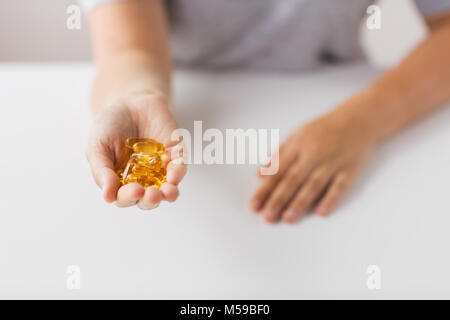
{"points": [[145, 165]]}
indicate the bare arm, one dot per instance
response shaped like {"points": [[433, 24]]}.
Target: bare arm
{"points": [[131, 97], [130, 45], [416, 86], [322, 159]]}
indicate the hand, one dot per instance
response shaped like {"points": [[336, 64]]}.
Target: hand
{"points": [[145, 116], [318, 163]]}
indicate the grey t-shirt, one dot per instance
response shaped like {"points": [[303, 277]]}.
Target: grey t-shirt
{"points": [[269, 34]]}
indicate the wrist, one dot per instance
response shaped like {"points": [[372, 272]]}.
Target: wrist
{"points": [[105, 94], [367, 111], [128, 75], [137, 101]]}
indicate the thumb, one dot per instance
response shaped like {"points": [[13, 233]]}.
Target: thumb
{"points": [[102, 168]]}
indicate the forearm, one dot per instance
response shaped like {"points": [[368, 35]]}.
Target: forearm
{"points": [[132, 58], [416, 86], [129, 72]]}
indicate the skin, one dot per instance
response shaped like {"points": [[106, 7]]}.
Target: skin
{"points": [[318, 163], [130, 98]]}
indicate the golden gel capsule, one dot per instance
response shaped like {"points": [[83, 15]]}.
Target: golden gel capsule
{"points": [[145, 165], [146, 146]]}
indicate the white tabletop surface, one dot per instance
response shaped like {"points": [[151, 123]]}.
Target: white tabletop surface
{"points": [[208, 244]]}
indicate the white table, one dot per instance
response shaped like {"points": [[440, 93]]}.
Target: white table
{"points": [[208, 244]]}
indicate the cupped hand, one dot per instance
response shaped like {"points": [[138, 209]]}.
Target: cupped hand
{"points": [[144, 116], [318, 163]]}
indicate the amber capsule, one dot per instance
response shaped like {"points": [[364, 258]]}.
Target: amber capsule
{"points": [[145, 165], [153, 163], [160, 175], [145, 181], [131, 178], [152, 181], [140, 171], [146, 146]]}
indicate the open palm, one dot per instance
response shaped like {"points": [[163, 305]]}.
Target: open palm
{"points": [[144, 116]]}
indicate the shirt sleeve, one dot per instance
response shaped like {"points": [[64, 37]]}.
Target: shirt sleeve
{"points": [[91, 4], [430, 8]]}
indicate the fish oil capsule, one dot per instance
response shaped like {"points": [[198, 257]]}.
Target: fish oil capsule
{"points": [[140, 171], [154, 163], [145, 165], [145, 146]]}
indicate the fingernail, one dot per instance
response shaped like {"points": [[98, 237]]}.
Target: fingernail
{"points": [[269, 216], [256, 204], [270, 213], [322, 210], [148, 207], [290, 216], [291, 213]]}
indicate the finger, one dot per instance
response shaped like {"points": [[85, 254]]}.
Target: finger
{"points": [[268, 183], [175, 172], [170, 192], [111, 185], [102, 168], [175, 151], [151, 199], [281, 152], [285, 190], [335, 192], [172, 153], [308, 193], [129, 194]]}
